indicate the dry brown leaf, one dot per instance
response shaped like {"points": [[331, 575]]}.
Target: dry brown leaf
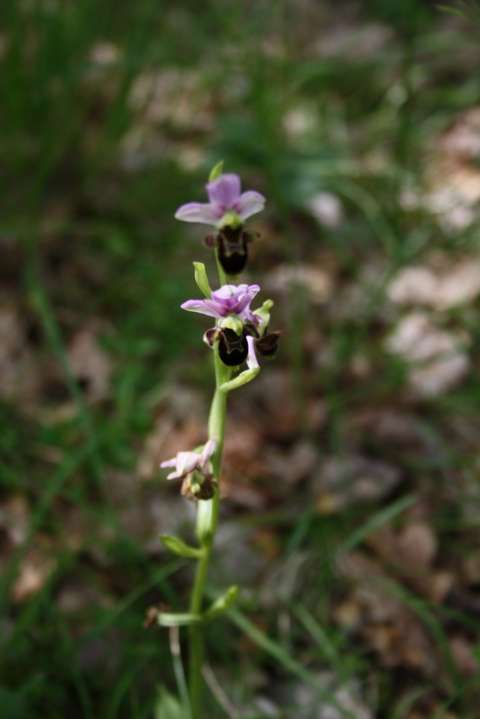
{"points": [[438, 357], [341, 482], [317, 281], [90, 364], [35, 569], [14, 519], [19, 377], [387, 625], [442, 289], [464, 655], [452, 173]]}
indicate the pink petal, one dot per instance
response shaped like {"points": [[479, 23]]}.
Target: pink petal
{"points": [[206, 214], [207, 452], [246, 294], [226, 292], [225, 191], [169, 463], [187, 462], [249, 203], [252, 362], [253, 291], [203, 307]]}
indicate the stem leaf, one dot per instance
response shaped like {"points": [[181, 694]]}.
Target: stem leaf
{"points": [[178, 546], [167, 706]]}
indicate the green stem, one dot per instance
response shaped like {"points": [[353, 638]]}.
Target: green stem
{"points": [[207, 518], [222, 277]]}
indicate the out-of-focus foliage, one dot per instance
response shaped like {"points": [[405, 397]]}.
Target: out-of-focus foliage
{"points": [[351, 472]]}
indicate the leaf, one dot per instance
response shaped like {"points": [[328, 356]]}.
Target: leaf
{"points": [[452, 10], [376, 521], [201, 278], [224, 602], [168, 707], [13, 703], [177, 619], [178, 546], [216, 171], [283, 658]]}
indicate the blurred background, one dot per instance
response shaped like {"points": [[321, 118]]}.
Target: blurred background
{"points": [[351, 512]]}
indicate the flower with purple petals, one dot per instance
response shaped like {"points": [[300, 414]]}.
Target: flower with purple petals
{"points": [[227, 206], [227, 301]]}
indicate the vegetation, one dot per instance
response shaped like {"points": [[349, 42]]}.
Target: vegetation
{"points": [[351, 510]]}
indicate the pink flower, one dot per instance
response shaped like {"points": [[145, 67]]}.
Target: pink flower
{"points": [[187, 462], [228, 300], [228, 204]]}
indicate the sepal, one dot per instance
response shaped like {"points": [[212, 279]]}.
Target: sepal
{"points": [[201, 278], [216, 171], [222, 604], [264, 314]]}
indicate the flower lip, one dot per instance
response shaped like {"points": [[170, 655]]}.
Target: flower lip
{"points": [[232, 348], [227, 204]]}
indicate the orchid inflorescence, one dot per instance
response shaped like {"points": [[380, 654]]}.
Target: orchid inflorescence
{"points": [[238, 335]]}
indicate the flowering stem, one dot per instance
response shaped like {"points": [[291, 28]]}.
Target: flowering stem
{"points": [[207, 518]]}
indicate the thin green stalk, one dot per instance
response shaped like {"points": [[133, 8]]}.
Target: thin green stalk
{"points": [[222, 277], [207, 518]]}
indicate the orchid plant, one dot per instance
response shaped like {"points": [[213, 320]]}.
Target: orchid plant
{"points": [[238, 336]]}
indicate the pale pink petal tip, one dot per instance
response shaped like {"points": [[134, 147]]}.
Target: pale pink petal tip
{"points": [[249, 203], [203, 213]]}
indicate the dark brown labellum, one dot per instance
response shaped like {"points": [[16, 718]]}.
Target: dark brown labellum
{"points": [[193, 489], [233, 249], [205, 490], [233, 349], [268, 344]]}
